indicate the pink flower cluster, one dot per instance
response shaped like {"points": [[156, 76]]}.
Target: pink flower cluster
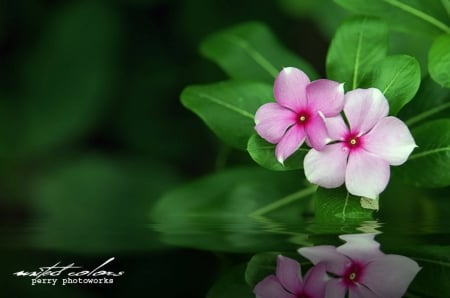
{"points": [[352, 138], [357, 268]]}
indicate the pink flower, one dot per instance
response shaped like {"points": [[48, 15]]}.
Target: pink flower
{"points": [[298, 112], [361, 269], [287, 283], [363, 152]]}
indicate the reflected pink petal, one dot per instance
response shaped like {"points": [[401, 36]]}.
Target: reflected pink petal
{"points": [[315, 280], [290, 142], [327, 167], [334, 261], [390, 275], [289, 274], [361, 247], [335, 289], [272, 121], [364, 108], [366, 175], [270, 287], [360, 291], [290, 88], [325, 96], [390, 140]]}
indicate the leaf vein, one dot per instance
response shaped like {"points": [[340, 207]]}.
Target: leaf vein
{"points": [[226, 105], [254, 54]]}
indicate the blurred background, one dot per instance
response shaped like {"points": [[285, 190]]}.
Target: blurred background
{"points": [[92, 131]]}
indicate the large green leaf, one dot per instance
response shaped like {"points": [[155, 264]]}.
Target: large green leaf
{"points": [[413, 16], [68, 77], [338, 206], [439, 60], [429, 164], [398, 77], [224, 211], [228, 108], [263, 153], [431, 101], [357, 46], [251, 51]]}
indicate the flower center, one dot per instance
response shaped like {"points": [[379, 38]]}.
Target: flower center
{"points": [[353, 274], [302, 117], [353, 141]]}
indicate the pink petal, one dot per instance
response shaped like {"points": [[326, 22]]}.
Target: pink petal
{"points": [[364, 108], [315, 280], [327, 167], [289, 274], [290, 88], [272, 121], [270, 287], [325, 96], [361, 247], [290, 142], [334, 261], [335, 288], [391, 140], [360, 291], [337, 129], [390, 275], [317, 132], [367, 175]]}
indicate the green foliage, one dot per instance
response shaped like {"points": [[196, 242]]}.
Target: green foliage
{"points": [[439, 60], [432, 279], [67, 79], [250, 51], [260, 266], [429, 164], [338, 206], [431, 102], [398, 77], [357, 46], [185, 215], [228, 108], [263, 153], [412, 16]]}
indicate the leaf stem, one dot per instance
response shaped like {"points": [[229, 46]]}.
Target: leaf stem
{"points": [[303, 193], [420, 14]]}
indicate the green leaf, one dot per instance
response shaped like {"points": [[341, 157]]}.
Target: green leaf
{"points": [[398, 77], [338, 206], [231, 284], [260, 266], [263, 153], [224, 211], [228, 108], [250, 51], [429, 164], [439, 60], [432, 279], [68, 77], [357, 46], [431, 101], [412, 16]]}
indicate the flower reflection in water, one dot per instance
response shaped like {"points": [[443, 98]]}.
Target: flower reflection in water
{"points": [[357, 268]]}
